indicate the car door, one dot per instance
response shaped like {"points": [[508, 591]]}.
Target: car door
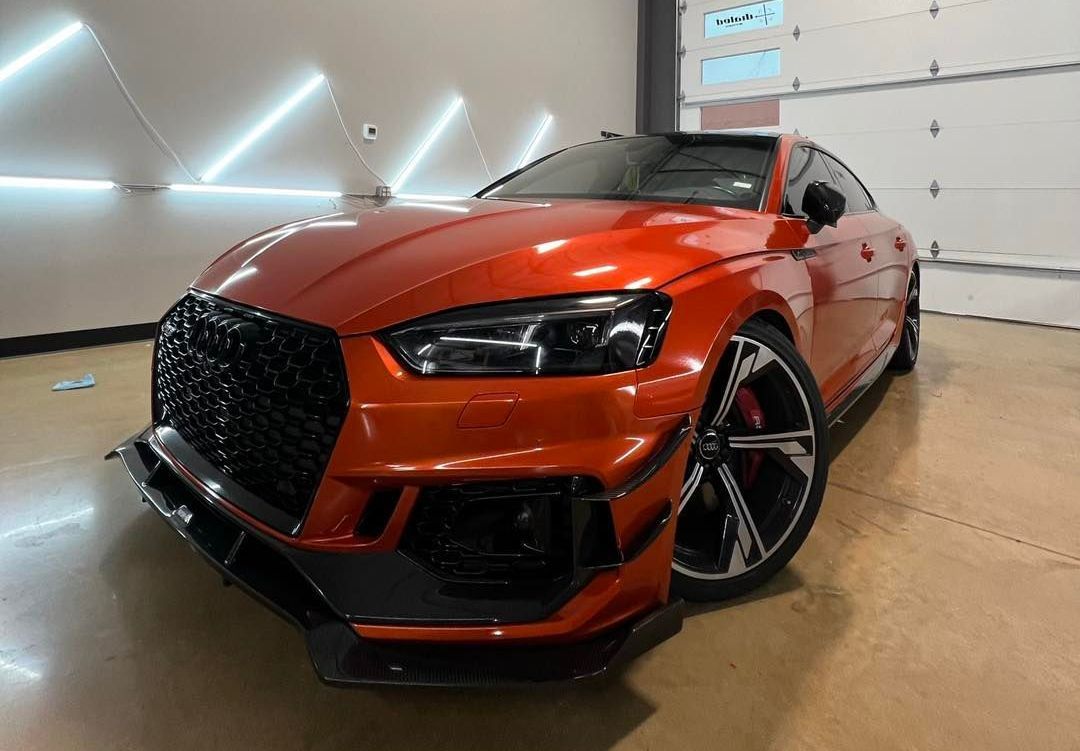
{"points": [[844, 284], [879, 250]]}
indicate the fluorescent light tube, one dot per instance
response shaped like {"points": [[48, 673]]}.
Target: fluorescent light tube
{"points": [[259, 130], [422, 149], [235, 190], [55, 183], [527, 156], [28, 57]]}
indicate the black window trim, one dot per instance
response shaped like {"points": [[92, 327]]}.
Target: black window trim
{"points": [[814, 147], [869, 197]]}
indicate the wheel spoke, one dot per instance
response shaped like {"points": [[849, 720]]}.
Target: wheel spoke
{"points": [[747, 530], [746, 363], [691, 485], [734, 379], [793, 451], [730, 558], [751, 439], [913, 326]]}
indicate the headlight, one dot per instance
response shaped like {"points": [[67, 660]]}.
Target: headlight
{"points": [[553, 336]]}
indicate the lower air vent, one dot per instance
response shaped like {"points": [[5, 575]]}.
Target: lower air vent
{"points": [[516, 531], [377, 512]]}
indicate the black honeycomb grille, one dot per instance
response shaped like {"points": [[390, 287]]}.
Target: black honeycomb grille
{"points": [[261, 398]]}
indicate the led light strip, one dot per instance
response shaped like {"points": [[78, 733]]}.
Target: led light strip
{"points": [[252, 136], [55, 182], [527, 156], [236, 190], [422, 149], [260, 130], [28, 57]]}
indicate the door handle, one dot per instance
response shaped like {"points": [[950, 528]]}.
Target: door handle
{"points": [[867, 252], [900, 244]]}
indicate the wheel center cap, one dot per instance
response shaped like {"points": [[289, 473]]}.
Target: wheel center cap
{"points": [[709, 445]]}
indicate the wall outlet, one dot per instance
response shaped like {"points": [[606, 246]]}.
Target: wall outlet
{"points": [[371, 132]]}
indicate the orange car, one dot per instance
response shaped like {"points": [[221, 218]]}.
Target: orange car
{"points": [[502, 438]]}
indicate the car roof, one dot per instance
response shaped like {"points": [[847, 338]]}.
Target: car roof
{"points": [[708, 133]]}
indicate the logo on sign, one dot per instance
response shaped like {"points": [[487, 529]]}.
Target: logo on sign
{"points": [[744, 18]]}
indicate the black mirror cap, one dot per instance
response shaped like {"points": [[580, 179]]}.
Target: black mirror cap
{"points": [[823, 204]]}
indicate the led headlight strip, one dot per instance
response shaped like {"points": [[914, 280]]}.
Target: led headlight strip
{"points": [[258, 131], [590, 334]]}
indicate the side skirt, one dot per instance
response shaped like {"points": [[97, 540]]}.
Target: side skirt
{"points": [[862, 385]]}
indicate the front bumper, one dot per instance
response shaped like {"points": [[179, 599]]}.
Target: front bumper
{"points": [[333, 596]]}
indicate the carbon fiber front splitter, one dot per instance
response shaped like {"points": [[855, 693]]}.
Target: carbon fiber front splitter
{"points": [[339, 655]]}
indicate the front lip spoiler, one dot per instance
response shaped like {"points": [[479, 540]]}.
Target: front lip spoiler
{"points": [[341, 657]]}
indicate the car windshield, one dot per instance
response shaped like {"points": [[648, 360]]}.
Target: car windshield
{"points": [[681, 168]]}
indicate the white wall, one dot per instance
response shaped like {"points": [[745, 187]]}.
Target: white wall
{"points": [[1004, 158], [205, 71]]}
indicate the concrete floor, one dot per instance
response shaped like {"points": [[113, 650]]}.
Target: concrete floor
{"points": [[935, 606]]}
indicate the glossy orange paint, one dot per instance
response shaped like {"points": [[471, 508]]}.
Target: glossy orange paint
{"points": [[361, 271]]}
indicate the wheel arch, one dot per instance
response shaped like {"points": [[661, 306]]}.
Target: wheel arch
{"points": [[773, 317], [764, 305], [680, 381]]}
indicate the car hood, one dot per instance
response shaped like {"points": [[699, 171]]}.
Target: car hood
{"points": [[360, 271]]}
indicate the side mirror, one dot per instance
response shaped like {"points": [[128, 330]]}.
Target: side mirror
{"points": [[823, 204]]}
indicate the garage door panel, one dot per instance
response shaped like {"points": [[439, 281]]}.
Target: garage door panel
{"points": [[957, 105], [1003, 227], [987, 157], [845, 44]]}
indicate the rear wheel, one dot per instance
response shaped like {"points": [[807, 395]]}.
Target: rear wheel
{"points": [[757, 469], [908, 352]]}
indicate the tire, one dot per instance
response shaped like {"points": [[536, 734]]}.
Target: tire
{"points": [[760, 453], [908, 352]]}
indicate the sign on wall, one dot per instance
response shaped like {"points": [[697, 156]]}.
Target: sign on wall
{"points": [[744, 18]]}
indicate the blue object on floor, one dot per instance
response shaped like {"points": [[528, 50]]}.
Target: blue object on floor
{"points": [[82, 383]]}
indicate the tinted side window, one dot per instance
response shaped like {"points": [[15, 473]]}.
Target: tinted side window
{"points": [[857, 200], [806, 166]]}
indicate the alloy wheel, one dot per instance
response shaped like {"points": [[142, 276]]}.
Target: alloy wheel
{"points": [[911, 318], [752, 465]]}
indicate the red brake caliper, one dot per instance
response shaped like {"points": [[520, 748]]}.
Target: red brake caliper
{"points": [[754, 418]]}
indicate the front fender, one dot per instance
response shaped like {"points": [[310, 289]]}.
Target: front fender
{"points": [[708, 307]]}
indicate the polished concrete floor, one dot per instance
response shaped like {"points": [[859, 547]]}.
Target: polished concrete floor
{"points": [[936, 604]]}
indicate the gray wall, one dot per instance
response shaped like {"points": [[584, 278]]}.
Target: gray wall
{"points": [[205, 71]]}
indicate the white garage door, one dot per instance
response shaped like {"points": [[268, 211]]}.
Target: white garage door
{"points": [[962, 117]]}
